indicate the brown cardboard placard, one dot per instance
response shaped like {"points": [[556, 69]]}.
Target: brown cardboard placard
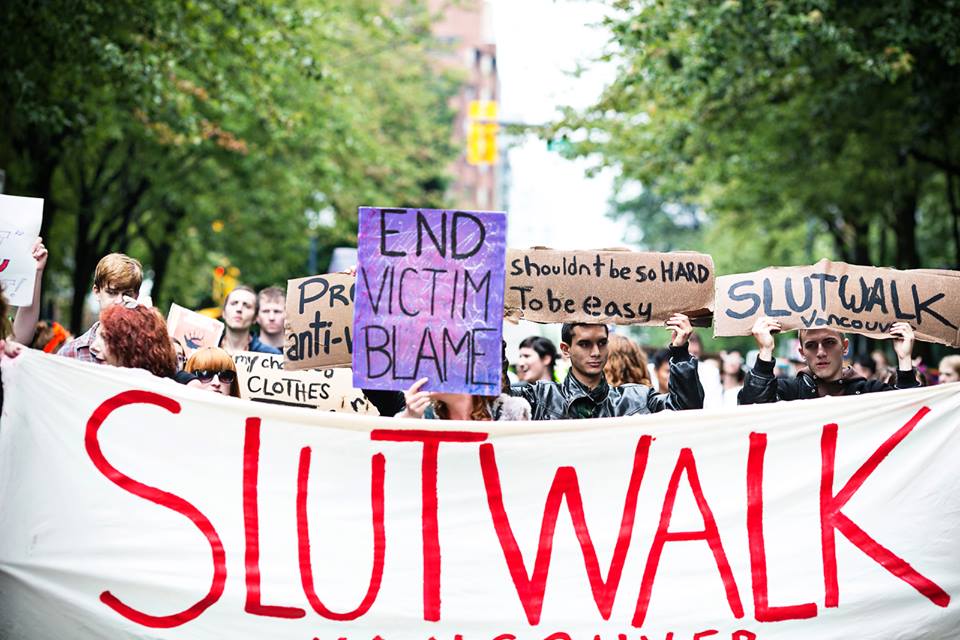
{"points": [[610, 286], [193, 330], [319, 322], [846, 297], [261, 377]]}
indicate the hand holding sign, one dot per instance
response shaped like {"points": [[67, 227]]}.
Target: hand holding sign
{"points": [[417, 401], [903, 344], [39, 253], [680, 326], [763, 330]]}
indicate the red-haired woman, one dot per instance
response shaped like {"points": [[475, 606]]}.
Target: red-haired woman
{"points": [[134, 336]]}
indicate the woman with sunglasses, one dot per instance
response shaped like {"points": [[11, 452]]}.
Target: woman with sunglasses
{"points": [[215, 370]]}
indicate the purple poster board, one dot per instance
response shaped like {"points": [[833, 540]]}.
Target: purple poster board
{"points": [[429, 299]]}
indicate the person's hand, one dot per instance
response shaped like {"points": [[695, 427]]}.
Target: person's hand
{"points": [[763, 330], [680, 325], [903, 340], [351, 271], [10, 349], [417, 401], [39, 252]]}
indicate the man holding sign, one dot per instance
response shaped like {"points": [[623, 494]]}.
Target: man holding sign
{"points": [[585, 392], [825, 375]]}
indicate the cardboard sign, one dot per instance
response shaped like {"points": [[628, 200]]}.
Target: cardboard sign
{"points": [[845, 297], [429, 299], [262, 378], [138, 508], [608, 286], [20, 220], [193, 330], [319, 322]]}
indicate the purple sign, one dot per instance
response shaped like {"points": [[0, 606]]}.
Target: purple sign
{"points": [[429, 299]]}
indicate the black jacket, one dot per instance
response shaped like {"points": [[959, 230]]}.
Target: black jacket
{"points": [[570, 399], [762, 386]]}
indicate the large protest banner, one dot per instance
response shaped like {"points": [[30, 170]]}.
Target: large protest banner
{"points": [[429, 299], [319, 322], [20, 220], [263, 378], [144, 509], [608, 286], [193, 330], [845, 297]]}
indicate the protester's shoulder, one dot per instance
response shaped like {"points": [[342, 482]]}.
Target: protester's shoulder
{"points": [[71, 347], [539, 388], [631, 390], [260, 347]]}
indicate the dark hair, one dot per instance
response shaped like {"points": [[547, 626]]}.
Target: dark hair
{"points": [[661, 356], [866, 362], [566, 331], [5, 327], [544, 348]]}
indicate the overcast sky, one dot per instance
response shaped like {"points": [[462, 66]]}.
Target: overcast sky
{"points": [[539, 42]]}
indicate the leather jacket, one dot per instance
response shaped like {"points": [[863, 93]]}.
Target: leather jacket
{"points": [[571, 399], [762, 386]]}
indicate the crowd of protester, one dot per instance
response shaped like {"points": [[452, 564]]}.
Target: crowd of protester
{"points": [[609, 374]]}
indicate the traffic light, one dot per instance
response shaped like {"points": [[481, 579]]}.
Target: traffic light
{"points": [[224, 281], [482, 130]]}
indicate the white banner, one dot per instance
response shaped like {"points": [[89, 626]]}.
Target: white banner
{"points": [[132, 507]]}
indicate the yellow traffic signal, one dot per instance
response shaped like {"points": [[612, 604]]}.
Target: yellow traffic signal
{"points": [[482, 130]]}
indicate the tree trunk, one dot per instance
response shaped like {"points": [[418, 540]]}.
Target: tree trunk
{"points": [[162, 251], [955, 214], [905, 227], [84, 266]]}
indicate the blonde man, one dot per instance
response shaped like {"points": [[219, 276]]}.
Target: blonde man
{"points": [[270, 317], [117, 275]]}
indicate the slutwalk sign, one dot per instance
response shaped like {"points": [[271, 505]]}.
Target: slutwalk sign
{"points": [[841, 296], [144, 509]]}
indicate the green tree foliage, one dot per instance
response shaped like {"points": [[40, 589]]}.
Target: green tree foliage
{"points": [[191, 133], [781, 131]]}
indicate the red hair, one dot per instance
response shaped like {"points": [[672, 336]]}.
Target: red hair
{"points": [[137, 338]]}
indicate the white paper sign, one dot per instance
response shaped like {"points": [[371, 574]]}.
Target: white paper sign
{"points": [[132, 507], [20, 220]]}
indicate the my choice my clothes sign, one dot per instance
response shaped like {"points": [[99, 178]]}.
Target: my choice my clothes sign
{"points": [[145, 509]]}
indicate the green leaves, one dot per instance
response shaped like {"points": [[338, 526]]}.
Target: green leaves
{"points": [[783, 123]]}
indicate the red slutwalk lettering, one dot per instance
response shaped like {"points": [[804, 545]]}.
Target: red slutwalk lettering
{"points": [[531, 587]]}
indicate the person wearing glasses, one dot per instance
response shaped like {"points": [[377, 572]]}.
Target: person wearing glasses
{"points": [[215, 370]]}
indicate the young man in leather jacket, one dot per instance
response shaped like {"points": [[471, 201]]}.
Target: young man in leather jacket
{"points": [[585, 392], [825, 375]]}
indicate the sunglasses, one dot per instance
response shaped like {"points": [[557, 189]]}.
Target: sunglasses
{"points": [[206, 375]]}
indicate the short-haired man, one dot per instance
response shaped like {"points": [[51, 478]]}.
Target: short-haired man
{"points": [[822, 350], [239, 310], [585, 392], [271, 315], [117, 275]]}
